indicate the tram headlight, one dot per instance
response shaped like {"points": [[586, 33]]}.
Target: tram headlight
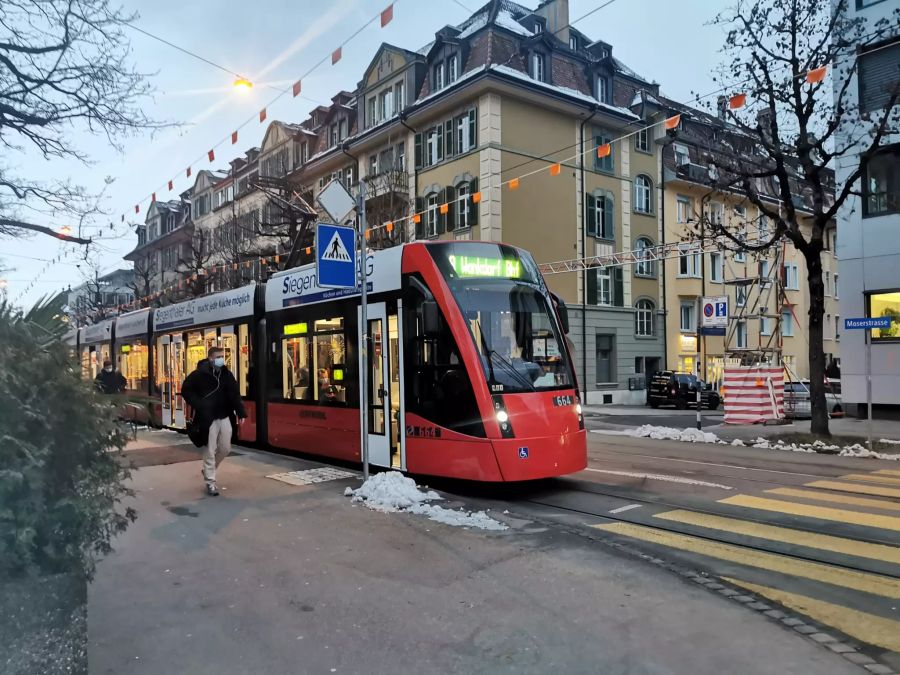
{"points": [[502, 416], [578, 409]]}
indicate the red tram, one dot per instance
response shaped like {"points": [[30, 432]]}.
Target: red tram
{"points": [[469, 372]]}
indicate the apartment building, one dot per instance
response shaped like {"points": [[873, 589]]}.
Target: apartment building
{"points": [[869, 248], [768, 293], [100, 297], [429, 128], [163, 239]]}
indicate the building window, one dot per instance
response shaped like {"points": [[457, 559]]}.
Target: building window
{"points": [[434, 146], [573, 43], [684, 210], [765, 323], [439, 76], [682, 156], [885, 304], [538, 67], [792, 277], [645, 266], [688, 261], [741, 334], [386, 105], [373, 165], [688, 321], [607, 163], [716, 213], [642, 140], [740, 256], [606, 365], [603, 89], [461, 212], [601, 215], [878, 75], [643, 195], [465, 132], [604, 286], [399, 96], [716, 267], [643, 318], [881, 183], [836, 286], [538, 27], [837, 327], [371, 118], [431, 216], [827, 283], [452, 69], [740, 296], [787, 323]]}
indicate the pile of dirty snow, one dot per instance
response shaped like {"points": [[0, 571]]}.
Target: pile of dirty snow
{"points": [[392, 492], [672, 434], [855, 450]]}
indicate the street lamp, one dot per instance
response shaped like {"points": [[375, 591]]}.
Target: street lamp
{"points": [[243, 86], [65, 229]]}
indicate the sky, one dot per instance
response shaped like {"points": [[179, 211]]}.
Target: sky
{"points": [[273, 43]]}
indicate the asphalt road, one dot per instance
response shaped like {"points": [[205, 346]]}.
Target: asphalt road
{"points": [[812, 540]]}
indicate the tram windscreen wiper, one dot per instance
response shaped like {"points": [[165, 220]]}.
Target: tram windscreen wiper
{"points": [[508, 367]]}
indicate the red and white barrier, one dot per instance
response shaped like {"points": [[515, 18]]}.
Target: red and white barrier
{"points": [[753, 394]]}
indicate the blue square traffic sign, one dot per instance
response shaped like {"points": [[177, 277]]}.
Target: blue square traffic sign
{"points": [[335, 256]]}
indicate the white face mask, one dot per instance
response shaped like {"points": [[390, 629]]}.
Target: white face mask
{"points": [[108, 369], [219, 361]]}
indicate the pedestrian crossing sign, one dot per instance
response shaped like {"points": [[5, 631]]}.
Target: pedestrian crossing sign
{"points": [[335, 256]]}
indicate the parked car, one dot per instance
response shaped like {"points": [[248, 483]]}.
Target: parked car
{"points": [[680, 389], [797, 401]]}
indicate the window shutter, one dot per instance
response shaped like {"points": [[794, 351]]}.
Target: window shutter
{"points": [[418, 151], [420, 226], [598, 162], [451, 208], [473, 129], [441, 217], [609, 231], [877, 77], [618, 287], [473, 207], [591, 279], [448, 138], [591, 217]]}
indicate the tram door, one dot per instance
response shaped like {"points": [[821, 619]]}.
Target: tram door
{"points": [[384, 387]]}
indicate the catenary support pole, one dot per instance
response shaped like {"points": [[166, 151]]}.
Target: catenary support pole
{"points": [[868, 333], [363, 330]]}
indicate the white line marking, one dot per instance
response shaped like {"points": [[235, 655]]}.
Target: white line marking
{"points": [[625, 508], [657, 476]]}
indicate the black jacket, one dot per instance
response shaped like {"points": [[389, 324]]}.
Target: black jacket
{"points": [[110, 383], [212, 394]]}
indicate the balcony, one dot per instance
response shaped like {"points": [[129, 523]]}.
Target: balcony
{"points": [[392, 181]]}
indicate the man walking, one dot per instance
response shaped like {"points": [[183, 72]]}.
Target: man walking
{"points": [[212, 393], [109, 380]]}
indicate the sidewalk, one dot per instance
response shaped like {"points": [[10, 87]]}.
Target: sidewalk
{"points": [[612, 416], [279, 578]]}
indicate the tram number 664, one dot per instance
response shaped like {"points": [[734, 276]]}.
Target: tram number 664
{"points": [[559, 401]]}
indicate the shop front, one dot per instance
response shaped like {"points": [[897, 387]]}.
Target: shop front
{"points": [[95, 347]]}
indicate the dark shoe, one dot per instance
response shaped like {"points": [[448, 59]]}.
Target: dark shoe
{"points": [[212, 490]]}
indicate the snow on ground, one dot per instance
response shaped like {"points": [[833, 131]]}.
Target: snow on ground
{"points": [[392, 492], [889, 441], [697, 436]]}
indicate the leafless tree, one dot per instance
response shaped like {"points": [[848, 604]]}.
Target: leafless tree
{"points": [[792, 132], [142, 282], [64, 66], [286, 220], [387, 201], [193, 265]]}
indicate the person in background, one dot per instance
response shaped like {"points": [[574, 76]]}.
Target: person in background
{"points": [[327, 391], [109, 380], [213, 395]]}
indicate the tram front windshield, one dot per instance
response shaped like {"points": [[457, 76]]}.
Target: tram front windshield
{"points": [[508, 314]]}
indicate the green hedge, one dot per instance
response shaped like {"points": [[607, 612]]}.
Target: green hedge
{"points": [[62, 478]]}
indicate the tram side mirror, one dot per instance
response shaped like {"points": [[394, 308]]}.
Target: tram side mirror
{"points": [[561, 311], [431, 317]]}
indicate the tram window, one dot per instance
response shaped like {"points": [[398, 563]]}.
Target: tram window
{"points": [[196, 350], [437, 384], [133, 363], [295, 363], [228, 342], [329, 361], [160, 358], [244, 360]]}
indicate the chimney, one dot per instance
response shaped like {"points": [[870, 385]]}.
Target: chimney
{"points": [[722, 107], [556, 14]]}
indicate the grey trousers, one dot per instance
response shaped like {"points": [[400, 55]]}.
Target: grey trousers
{"points": [[217, 447]]}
